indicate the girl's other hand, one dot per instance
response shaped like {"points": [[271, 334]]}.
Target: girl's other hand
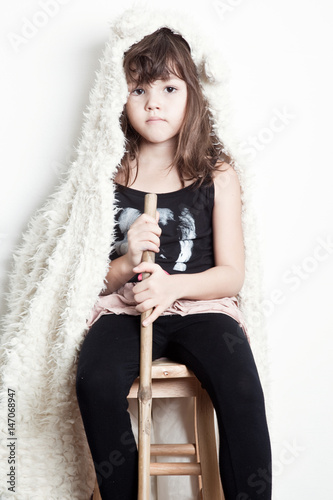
{"points": [[157, 291], [144, 234]]}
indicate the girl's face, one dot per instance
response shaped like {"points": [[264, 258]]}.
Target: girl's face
{"points": [[156, 111]]}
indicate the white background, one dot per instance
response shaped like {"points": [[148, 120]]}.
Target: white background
{"points": [[280, 54]]}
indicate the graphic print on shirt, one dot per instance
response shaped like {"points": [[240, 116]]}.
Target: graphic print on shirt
{"points": [[126, 219], [165, 216], [185, 229], [187, 233]]}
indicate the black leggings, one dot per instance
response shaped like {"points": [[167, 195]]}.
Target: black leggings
{"points": [[214, 347]]}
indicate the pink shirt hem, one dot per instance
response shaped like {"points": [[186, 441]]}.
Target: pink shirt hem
{"points": [[122, 302]]}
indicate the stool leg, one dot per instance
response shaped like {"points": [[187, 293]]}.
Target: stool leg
{"points": [[206, 443]]}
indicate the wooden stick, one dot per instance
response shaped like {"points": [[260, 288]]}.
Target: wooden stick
{"points": [[145, 389]]}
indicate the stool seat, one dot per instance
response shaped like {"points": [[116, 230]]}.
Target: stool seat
{"points": [[174, 380], [170, 380]]}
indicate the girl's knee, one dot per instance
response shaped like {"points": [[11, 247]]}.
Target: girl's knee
{"points": [[102, 387], [248, 389]]}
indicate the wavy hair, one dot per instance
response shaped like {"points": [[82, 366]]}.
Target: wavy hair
{"points": [[198, 149]]}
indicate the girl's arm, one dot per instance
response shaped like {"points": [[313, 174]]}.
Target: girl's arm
{"points": [[120, 271], [227, 277]]}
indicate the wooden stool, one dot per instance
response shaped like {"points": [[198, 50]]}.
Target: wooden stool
{"points": [[173, 380]]}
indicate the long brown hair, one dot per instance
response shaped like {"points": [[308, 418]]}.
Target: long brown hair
{"points": [[157, 56]]}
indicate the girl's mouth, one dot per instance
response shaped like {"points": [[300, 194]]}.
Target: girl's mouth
{"points": [[155, 119]]}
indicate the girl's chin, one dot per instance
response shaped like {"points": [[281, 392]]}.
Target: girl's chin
{"points": [[156, 140]]}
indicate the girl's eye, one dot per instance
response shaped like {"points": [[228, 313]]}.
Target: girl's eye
{"points": [[170, 90], [137, 91]]}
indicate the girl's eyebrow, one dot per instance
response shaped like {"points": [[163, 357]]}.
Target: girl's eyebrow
{"points": [[133, 85], [172, 76], [175, 80], [171, 79]]}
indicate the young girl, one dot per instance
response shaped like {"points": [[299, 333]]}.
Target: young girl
{"points": [[173, 150]]}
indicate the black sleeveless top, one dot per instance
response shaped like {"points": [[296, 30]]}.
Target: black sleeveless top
{"points": [[186, 242]]}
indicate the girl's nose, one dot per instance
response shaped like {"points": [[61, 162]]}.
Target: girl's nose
{"points": [[152, 106], [152, 102]]}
